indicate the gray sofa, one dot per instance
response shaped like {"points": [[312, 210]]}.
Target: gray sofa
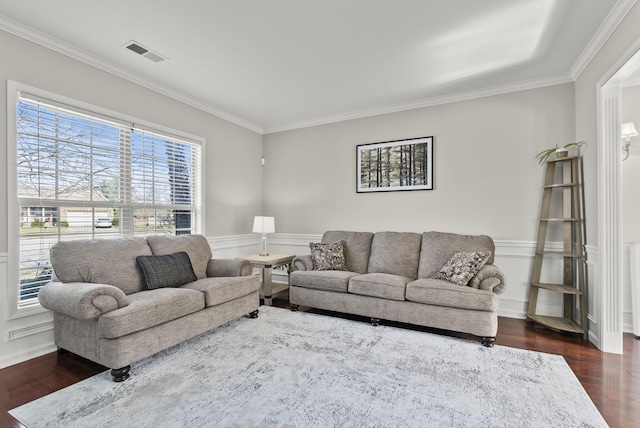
{"points": [[104, 310], [393, 276]]}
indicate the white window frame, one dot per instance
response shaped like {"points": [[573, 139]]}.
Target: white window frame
{"points": [[15, 308]]}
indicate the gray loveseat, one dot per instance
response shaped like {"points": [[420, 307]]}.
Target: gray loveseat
{"points": [[392, 276], [104, 311]]}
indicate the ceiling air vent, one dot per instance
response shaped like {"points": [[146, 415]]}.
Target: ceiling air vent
{"points": [[145, 52]]}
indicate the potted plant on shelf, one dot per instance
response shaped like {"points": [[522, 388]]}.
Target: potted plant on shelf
{"points": [[560, 152]]}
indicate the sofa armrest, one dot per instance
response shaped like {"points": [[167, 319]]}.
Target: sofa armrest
{"points": [[302, 263], [229, 267], [490, 278], [82, 300]]}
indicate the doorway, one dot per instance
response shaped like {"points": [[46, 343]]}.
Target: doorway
{"points": [[608, 301]]}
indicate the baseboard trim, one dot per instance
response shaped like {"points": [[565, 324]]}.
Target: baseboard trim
{"points": [[28, 354]]}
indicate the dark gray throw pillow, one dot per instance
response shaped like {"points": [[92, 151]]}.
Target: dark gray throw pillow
{"points": [[170, 270]]}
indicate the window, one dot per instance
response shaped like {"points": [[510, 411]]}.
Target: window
{"points": [[82, 175]]}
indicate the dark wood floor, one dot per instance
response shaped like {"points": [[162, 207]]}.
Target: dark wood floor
{"points": [[612, 381]]}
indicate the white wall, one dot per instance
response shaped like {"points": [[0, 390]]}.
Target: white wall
{"points": [[486, 177], [586, 106], [631, 169], [233, 173], [630, 200]]}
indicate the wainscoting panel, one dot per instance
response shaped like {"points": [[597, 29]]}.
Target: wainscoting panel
{"points": [[225, 247], [627, 294], [25, 337]]}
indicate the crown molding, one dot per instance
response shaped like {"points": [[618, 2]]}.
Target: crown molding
{"points": [[617, 14], [611, 22], [429, 102], [49, 42]]}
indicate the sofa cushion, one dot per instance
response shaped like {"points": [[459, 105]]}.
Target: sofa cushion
{"points": [[328, 255], [195, 245], [439, 247], [169, 270], [357, 248], [219, 290], [396, 253], [443, 293], [329, 280], [149, 308], [383, 285], [463, 266], [101, 261]]}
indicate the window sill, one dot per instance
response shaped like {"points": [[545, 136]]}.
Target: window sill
{"points": [[26, 310]]}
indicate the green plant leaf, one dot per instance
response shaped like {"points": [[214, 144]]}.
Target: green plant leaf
{"points": [[544, 155]]}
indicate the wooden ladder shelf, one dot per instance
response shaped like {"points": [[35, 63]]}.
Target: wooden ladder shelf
{"points": [[562, 185]]}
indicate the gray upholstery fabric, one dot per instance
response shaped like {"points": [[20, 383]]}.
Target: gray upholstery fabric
{"points": [[396, 253], [356, 250], [219, 290], [81, 300], [77, 336], [490, 278], [125, 350], [81, 336], [331, 280], [195, 245], [479, 323], [101, 261], [443, 293], [148, 308], [229, 267], [439, 247], [383, 285], [302, 262]]}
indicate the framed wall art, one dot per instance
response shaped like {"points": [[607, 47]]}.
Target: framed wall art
{"points": [[395, 165]]}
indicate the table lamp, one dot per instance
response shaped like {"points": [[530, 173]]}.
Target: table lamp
{"points": [[264, 225]]}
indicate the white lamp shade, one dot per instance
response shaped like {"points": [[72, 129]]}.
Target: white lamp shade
{"points": [[264, 224], [628, 130]]}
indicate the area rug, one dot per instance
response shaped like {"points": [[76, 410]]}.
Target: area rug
{"points": [[296, 369]]}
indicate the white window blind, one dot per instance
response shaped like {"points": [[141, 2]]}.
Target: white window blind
{"points": [[81, 175]]}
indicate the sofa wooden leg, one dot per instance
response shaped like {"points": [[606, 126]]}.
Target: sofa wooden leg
{"points": [[375, 321], [62, 351], [294, 307], [121, 374], [253, 314], [488, 341]]}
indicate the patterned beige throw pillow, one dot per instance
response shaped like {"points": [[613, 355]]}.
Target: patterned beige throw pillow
{"points": [[328, 255], [463, 266]]}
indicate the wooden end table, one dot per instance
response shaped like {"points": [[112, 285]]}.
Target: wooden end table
{"points": [[266, 264]]}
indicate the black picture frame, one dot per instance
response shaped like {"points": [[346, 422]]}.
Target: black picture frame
{"points": [[395, 165]]}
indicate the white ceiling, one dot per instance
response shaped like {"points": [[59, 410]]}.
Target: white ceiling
{"points": [[281, 64]]}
